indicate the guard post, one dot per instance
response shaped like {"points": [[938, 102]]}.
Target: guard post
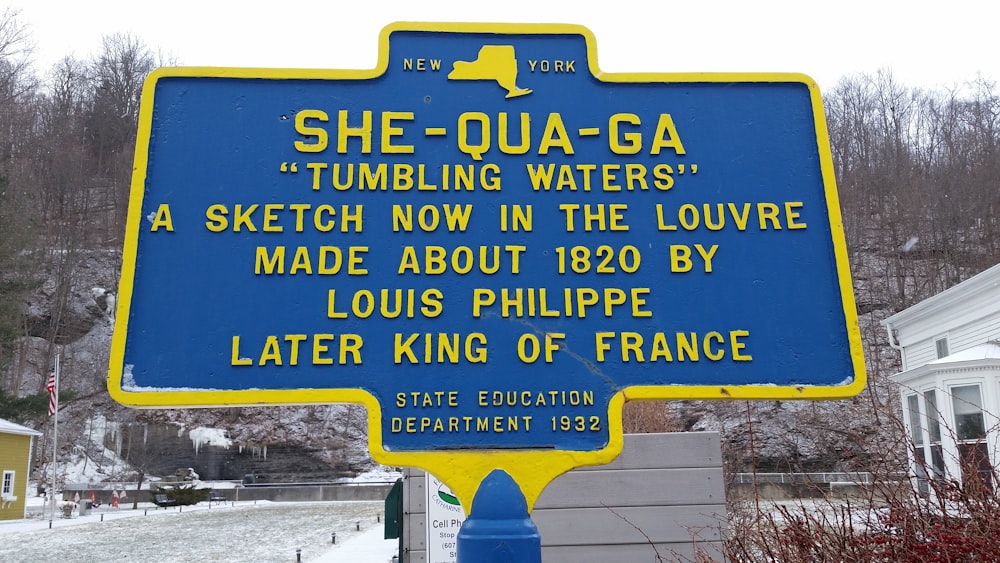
{"points": [[490, 244]]}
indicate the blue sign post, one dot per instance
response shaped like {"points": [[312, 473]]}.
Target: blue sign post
{"points": [[485, 240]]}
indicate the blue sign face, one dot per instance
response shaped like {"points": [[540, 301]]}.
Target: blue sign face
{"points": [[485, 239]]}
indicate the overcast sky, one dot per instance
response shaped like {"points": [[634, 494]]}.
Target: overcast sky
{"points": [[940, 44]]}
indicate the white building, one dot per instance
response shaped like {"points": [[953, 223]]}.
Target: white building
{"points": [[950, 383]]}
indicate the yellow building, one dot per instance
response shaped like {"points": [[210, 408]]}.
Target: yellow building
{"points": [[15, 457]]}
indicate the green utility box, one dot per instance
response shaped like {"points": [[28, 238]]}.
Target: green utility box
{"points": [[394, 515]]}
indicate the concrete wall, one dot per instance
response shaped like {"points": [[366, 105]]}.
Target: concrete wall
{"points": [[276, 493], [366, 491], [787, 486], [664, 492]]}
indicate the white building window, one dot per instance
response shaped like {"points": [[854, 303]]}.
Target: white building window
{"points": [[968, 404], [941, 344], [8, 484], [916, 429], [924, 421], [933, 415], [970, 433], [917, 442]]}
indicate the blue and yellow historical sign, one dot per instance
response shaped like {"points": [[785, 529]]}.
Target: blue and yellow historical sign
{"points": [[487, 241]]}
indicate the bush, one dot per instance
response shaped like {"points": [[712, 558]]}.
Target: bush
{"points": [[183, 495], [958, 527], [892, 522]]}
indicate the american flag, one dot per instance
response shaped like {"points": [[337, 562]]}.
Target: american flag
{"points": [[50, 386]]}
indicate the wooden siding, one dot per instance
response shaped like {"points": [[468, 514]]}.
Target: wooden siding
{"points": [[15, 451], [960, 337], [975, 334], [921, 353], [661, 495], [968, 314]]}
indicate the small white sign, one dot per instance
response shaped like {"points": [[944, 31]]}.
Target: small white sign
{"points": [[444, 518]]}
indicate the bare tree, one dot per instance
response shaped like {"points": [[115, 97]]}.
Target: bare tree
{"points": [[17, 212], [118, 75], [15, 53], [641, 417]]}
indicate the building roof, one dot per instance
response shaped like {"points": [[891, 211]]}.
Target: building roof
{"points": [[948, 299], [8, 427], [984, 356], [987, 351]]}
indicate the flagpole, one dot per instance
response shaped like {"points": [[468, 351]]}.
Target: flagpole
{"points": [[55, 439]]}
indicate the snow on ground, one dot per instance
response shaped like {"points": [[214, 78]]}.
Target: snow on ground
{"points": [[832, 513], [368, 546], [245, 531], [380, 474]]}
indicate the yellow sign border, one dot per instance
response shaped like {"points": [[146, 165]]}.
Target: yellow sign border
{"points": [[463, 470]]}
